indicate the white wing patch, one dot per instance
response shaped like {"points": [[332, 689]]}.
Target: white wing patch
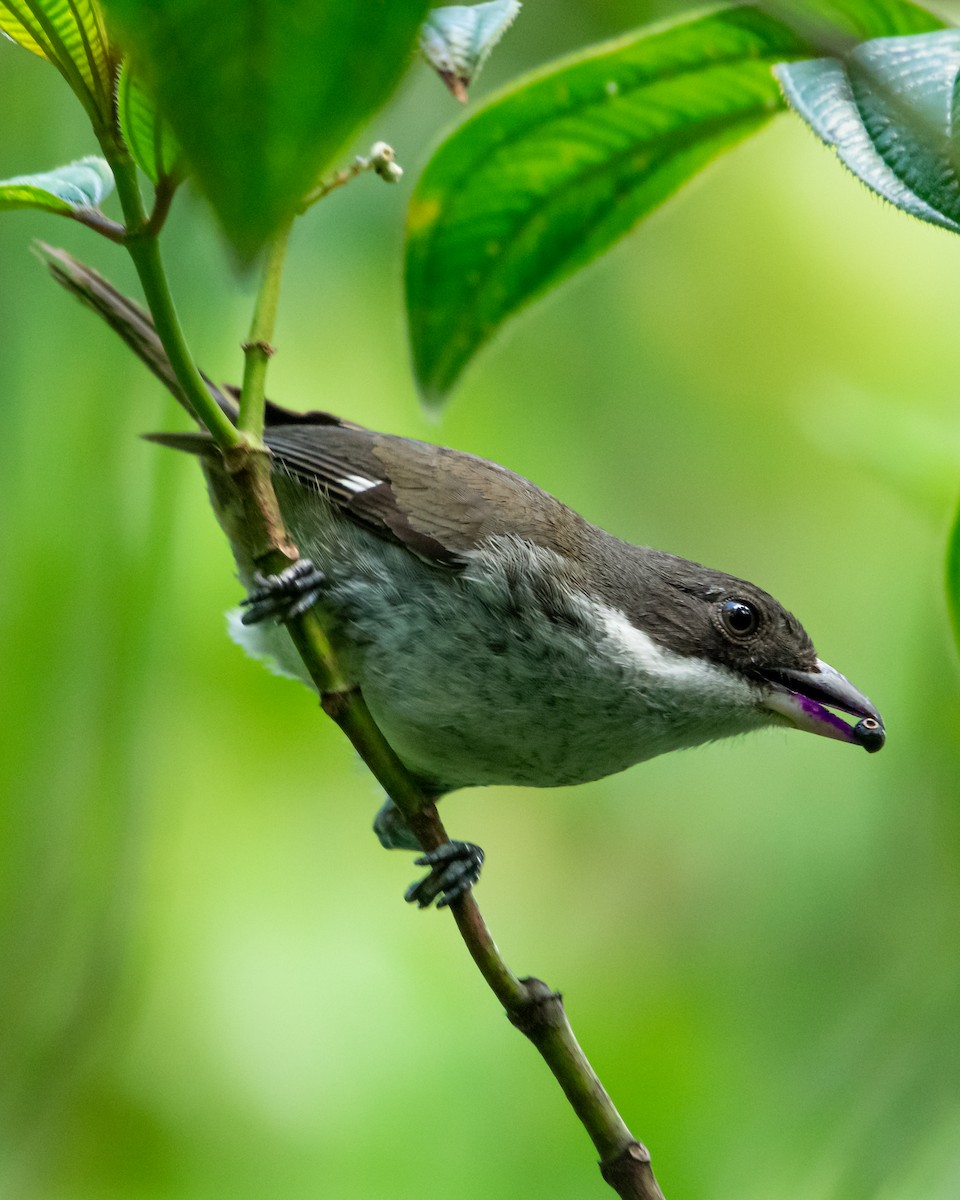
{"points": [[358, 483]]}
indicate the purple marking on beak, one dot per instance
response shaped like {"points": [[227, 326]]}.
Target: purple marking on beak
{"points": [[800, 697]]}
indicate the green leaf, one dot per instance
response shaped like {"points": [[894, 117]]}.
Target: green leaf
{"points": [[149, 139], [835, 25], [458, 40], [261, 94], [81, 184], [70, 34], [888, 110], [953, 577], [554, 170]]}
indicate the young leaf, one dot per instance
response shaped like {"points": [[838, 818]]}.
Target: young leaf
{"points": [[81, 184], [261, 94], [838, 24], [71, 35], [552, 171], [888, 111], [904, 88], [458, 40], [149, 139]]}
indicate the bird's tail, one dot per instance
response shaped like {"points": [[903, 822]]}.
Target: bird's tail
{"points": [[128, 319], [136, 328]]}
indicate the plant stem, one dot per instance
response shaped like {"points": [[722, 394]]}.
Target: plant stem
{"points": [[531, 1005], [144, 249], [337, 180], [380, 159], [258, 347], [162, 199]]}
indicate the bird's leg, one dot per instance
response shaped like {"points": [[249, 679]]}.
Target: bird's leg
{"points": [[392, 830], [454, 866], [286, 595]]}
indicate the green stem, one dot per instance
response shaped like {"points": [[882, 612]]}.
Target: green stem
{"points": [[144, 249], [163, 195], [258, 348], [337, 180]]}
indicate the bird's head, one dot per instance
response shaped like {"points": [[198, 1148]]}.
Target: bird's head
{"points": [[736, 627]]}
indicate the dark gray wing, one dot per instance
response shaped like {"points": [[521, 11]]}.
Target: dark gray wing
{"points": [[436, 502]]}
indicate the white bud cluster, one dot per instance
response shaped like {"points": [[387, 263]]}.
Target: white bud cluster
{"points": [[382, 160]]}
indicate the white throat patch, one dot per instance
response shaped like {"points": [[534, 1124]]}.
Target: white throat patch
{"points": [[701, 682]]}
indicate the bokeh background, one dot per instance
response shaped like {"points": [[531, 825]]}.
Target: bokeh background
{"points": [[209, 984]]}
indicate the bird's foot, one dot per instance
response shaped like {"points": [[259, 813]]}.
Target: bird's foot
{"points": [[285, 595], [454, 869]]}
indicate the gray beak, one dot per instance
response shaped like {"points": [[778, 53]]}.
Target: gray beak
{"points": [[802, 698]]}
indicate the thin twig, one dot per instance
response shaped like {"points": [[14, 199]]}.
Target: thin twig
{"points": [[258, 348], [163, 194], [381, 160], [531, 1005], [144, 249]]}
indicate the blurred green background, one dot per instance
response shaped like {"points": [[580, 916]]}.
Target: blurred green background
{"points": [[209, 984]]}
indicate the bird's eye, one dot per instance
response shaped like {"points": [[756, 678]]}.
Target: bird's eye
{"points": [[739, 618]]}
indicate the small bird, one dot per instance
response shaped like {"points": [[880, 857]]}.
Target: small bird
{"points": [[497, 636]]}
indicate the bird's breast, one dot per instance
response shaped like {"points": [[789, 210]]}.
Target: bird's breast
{"points": [[502, 673]]}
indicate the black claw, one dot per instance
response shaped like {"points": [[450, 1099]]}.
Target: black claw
{"points": [[454, 869], [285, 595]]}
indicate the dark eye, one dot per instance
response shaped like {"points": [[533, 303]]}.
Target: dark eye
{"points": [[739, 618]]}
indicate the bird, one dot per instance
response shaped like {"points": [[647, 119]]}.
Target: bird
{"points": [[496, 635]]}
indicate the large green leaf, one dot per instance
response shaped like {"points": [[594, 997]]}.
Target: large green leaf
{"points": [[262, 93], [888, 111], [552, 171], [81, 184], [838, 24], [149, 138], [953, 578], [71, 35]]}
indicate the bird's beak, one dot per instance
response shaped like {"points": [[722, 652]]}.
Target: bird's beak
{"points": [[801, 697]]}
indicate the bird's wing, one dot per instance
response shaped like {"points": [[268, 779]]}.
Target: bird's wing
{"points": [[439, 503]]}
